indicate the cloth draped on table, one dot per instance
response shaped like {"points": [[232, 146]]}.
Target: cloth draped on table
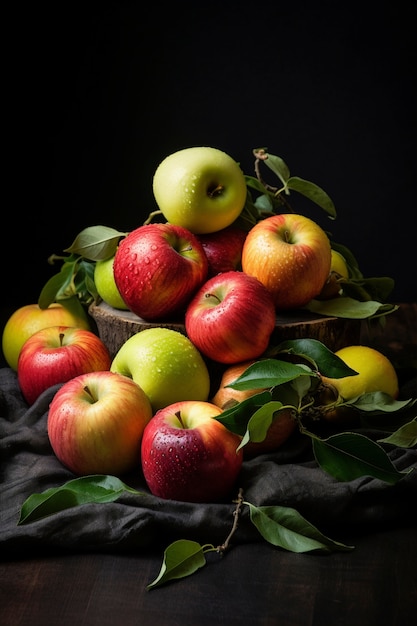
{"points": [[289, 477]]}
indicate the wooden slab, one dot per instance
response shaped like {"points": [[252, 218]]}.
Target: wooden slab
{"points": [[115, 327]]}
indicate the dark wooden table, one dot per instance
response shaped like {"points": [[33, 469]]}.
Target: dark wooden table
{"points": [[375, 585]]}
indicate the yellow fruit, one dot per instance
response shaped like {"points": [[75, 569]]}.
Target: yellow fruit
{"points": [[338, 270], [375, 373], [30, 318], [106, 285], [338, 264]]}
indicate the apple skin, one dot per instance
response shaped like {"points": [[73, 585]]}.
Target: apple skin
{"points": [[96, 422], [223, 249], [55, 355], [157, 268], [189, 456], [231, 318], [30, 318], [200, 188], [225, 397], [166, 364], [291, 255]]}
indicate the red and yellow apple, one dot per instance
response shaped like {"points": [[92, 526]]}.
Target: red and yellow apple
{"points": [[56, 354], [30, 318], [282, 426], [231, 318], [96, 422], [291, 255], [188, 455], [200, 188], [157, 268]]}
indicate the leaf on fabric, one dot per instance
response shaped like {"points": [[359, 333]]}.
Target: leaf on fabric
{"points": [[404, 437], [348, 456], [285, 528], [85, 490]]}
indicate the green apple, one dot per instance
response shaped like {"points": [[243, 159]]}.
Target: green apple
{"points": [[165, 364], [200, 188], [106, 285]]}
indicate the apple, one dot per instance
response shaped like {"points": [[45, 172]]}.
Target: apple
{"points": [[30, 318], [231, 318], [56, 354], [200, 188], [225, 397], [106, 285], [157, 268], [189, 456], [291, 255], [96, 422], [339, 271], [166, 364], [223, 249]]}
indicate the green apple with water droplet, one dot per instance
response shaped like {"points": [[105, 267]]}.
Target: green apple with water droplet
{"points": [[200, 188], [165, 364], [157, 269]]}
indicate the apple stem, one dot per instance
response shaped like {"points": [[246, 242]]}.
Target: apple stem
{"points": [[211, 295], [88, 391], [178, 416], [61, 339], [216, 191], [239, 501]]}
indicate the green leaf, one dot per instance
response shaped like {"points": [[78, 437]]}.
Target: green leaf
{"points": [[279, 167], [96, 243], [363, 289], [348, 308], [56, 285], [260, 422], [268, 373], [237, 417], [182, 558], [84, 490], [323, 359], [286, 528], [404, 437], [347, 456], [377, 401], [314, 193]]}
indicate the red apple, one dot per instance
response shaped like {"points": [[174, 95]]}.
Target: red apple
{"points": [[96, 422], [291, 255], [56, 354], [157, 268], [223, 249], [231, 318], [189, 456]]}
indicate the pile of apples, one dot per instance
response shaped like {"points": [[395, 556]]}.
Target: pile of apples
{"points": [[150, 405]]}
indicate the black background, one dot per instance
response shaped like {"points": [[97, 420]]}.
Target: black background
{"points": [[97, 94]]}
